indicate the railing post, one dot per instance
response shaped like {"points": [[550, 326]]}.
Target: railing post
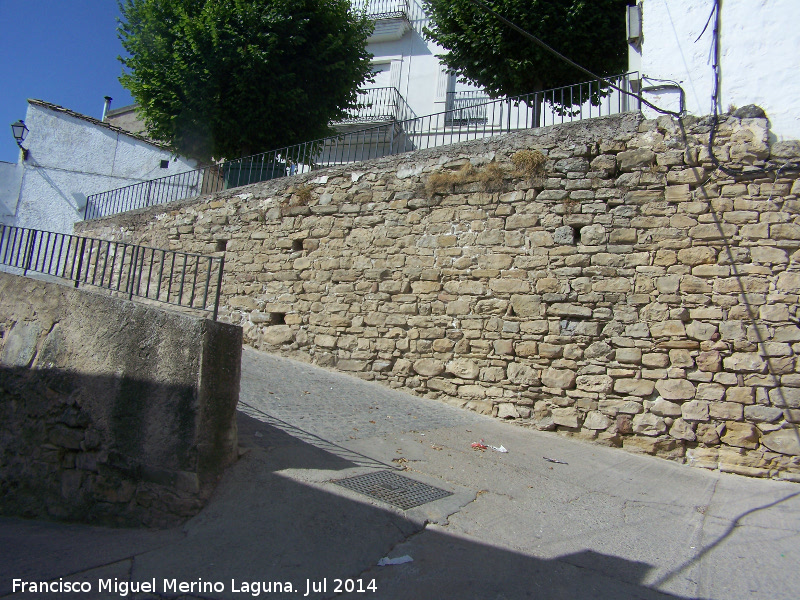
{"points": [[80, 262], [29, 250], [132, 271], [219, 286]]}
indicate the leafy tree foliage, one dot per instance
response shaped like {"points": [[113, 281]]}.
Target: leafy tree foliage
{"points": [[227, 78], [486, 52]]}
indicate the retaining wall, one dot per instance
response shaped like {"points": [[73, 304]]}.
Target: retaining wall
{"points": [[624, 291], [111, 411]]}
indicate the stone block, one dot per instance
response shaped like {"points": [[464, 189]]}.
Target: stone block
{"points": [[665, 408], [785, 397], [682, 430], [526, 349], [601, 384], [710, 361], [783, 441], [550, 350], [522, 374], [428, 367], [527, 306], [558, 378], [277, 335], [597, 421], [635, 159], [758, 413], [463, 368], [713, 392], [726, 411], [648, 424], [655, 360], [628, 355], [695, 410], [634, 387], [675, 389], [698, 255], [667, 328], [599, 350], [744, 362], [741, 435], [506, 410], [566, 417]]}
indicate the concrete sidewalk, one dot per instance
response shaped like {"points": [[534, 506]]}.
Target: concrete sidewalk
{"points": [[600, 523]]}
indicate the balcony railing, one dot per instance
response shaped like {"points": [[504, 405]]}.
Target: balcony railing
{"points": [[380, 104], [382, 9], [476, 121]]}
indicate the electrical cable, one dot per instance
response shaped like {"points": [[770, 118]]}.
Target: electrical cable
{"points": [[715, 95], [569, 61], [715, 32]]}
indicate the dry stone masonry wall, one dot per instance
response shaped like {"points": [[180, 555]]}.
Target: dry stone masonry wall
{"points": [[602, 279]]}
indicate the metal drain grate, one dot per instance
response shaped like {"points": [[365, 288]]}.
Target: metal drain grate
{"points": [[394, 489]]}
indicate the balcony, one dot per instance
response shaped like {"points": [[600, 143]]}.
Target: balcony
{"points": [[379, 105], [382, 9], [391, 17]]}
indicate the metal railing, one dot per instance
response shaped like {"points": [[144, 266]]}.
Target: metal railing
{"points": [[379, 104], [381, 9], [539, 109], [166, 276], [466, 107]]}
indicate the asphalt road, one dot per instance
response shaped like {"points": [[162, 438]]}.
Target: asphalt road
{"points": [[598, 523]]}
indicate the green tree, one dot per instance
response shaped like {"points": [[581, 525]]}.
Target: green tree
{"points": [[228, 78], [484, 51]]}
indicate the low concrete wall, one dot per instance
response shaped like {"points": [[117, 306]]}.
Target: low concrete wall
{"points": [[111, 411]]}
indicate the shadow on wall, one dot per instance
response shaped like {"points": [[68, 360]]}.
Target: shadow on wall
{"points": [[115, 450], [262, 526]]}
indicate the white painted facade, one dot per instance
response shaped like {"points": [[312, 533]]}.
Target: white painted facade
{"points": [[759, 57], [71, 156], [403, 59]]}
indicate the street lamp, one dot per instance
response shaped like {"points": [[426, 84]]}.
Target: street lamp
{"points": [[20, 131]]}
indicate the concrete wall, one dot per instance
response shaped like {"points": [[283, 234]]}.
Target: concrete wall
{"points": [[759, 41], [625, 292], [71, 157], [110, 411]]}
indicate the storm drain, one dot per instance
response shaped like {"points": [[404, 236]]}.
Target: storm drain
{"points": [[394, 489]]}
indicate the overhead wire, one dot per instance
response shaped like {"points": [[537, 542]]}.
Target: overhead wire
{"points": [[715, 100], [678, 115], [569, 61]]}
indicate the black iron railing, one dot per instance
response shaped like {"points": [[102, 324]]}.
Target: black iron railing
{"points": [[467, 107], [177, 278], [539, 109], [381, 9], [379, 104]]}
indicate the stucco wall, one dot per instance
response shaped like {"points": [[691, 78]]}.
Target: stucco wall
{"points": [[111, 411], [10, 180], [624, 292], [70, 158], [760, 43]]}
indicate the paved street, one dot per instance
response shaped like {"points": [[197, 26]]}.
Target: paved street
{"points": [[598, 523]]}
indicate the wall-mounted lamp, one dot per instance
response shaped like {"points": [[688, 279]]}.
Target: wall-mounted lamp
{"points": [[20, 131]]}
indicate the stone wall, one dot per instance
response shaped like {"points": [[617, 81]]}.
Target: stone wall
{"points": [[111, 411], [600, 278]]}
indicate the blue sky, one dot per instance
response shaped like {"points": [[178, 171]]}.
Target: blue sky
{"points": [[60, 51]]}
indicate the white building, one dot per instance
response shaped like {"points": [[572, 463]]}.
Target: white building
{"points": [[759, 50], [409, 79], [70, 156]]}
